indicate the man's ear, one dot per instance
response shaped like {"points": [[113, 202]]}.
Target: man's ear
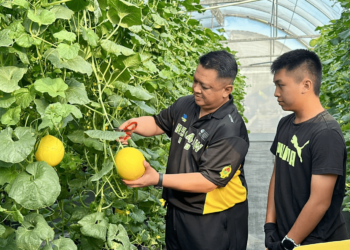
{"points": [[227, 90], [307, 86]]}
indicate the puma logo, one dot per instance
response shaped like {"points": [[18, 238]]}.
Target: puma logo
{"points": [[295, 143]]}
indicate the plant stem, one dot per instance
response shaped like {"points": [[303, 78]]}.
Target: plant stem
{"points": [[115, 29]]}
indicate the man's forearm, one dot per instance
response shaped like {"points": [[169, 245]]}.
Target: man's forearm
{"points": [[308, 219], [146, 126], [271, 210], [190, 182]]}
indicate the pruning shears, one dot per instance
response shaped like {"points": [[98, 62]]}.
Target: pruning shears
{"points": [[128, 133]]}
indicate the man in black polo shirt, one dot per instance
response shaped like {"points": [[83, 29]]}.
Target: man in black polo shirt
{"points": [[204, 183], [308, 182]]}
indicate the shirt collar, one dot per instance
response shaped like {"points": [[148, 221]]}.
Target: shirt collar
{"points": [[220, 113], [225, 109]]}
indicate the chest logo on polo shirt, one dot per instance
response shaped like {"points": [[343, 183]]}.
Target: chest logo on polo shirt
{"points": [[184, 118], [225, 172], [203, 134], [295, 143], [191, 140]]}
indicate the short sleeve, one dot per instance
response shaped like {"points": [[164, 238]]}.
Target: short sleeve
{"points": [[220, 160], [275, 141], [328, 152], [274, 145], [165, 119]]}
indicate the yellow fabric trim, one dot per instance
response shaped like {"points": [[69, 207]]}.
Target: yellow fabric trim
{"points": [[223, 198]]}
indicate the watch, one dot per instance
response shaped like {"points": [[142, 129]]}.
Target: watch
{"points": [[160, 182], [288, 243]]}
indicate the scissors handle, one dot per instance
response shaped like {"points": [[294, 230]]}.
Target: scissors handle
{"points": [[128, 134]]}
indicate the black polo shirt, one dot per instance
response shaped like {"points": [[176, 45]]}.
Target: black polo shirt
{"points": [[313, 147], [214, 145]]}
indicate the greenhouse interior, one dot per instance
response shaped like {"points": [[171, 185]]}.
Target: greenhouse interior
{"points": [[80, 78]]}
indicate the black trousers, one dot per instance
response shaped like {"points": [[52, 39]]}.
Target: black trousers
{"points": [[226, 230]]}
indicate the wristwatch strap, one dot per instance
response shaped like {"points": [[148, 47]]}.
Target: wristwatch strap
{"points": [[286, 238], [160, 182]]}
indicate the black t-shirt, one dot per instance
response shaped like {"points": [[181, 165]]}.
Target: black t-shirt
{"points": [[214, 145], [313, 147]]}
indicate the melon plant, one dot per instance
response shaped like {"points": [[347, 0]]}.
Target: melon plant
{"points": [[333, 48], [75, 70]]}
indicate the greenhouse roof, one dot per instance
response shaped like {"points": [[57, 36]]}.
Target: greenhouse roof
{"points": [[295, 18]]}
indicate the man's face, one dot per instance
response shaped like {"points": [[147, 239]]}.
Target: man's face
{"points": [[208, 90], [288, 91]]}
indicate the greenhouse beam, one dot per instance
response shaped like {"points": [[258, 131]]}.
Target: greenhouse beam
{"points": [[270, 38]]}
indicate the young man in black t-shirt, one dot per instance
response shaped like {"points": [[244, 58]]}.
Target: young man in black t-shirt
{"points": [[307, 186], [204, 182]]}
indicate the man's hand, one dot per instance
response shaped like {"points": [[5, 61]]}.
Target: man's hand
{"points": [[129, 131], [149, 178], [271, 235], [276, 246]]}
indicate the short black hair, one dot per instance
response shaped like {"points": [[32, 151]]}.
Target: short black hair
{"points": [[301, 58], [222, 61]]}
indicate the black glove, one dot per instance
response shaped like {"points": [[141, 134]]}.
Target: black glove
{"points": [[271, 235], [276, 246]]}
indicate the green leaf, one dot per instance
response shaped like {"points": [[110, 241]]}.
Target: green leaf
{"points": [[77, 64], [135, 93], [12, 116], [33, 232], [78, 136], [65, 35], [124, 13], [138, 215], [56, 112], [151, 66], [166, 74], [117, 101], [116, 49], [2, 230], [94, 225], [16, 29], [41, 105], [62, 12], [25, 40], [54, 87], [106, 168], [7, 175], [21, 3], [135, 28], [76, 92], [159, 20], [137, 39], [21, 52], [64, 244], [313, 42], [117, 237], [5, 39], [9, 78], [24, 97], [6, 100], [36, 188], [77, 5], [42, 17], [145, 107], [132, 61], [88, 243], [90, 36], [104, 135], [68, 51], [344, 34]]}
